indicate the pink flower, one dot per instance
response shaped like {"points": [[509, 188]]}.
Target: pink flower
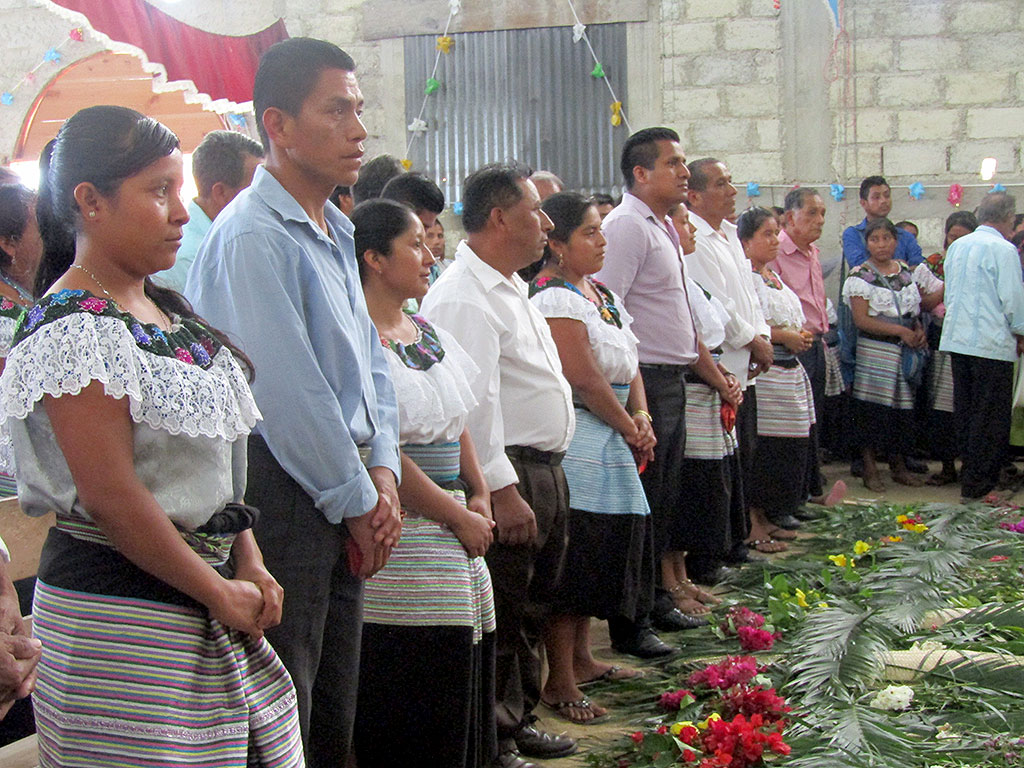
{"points": [[671, 701], [93, 304], [637, 736], [998, 558], [181, 353]]}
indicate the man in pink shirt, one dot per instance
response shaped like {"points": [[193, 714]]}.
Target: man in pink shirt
{"points": [[798, 266]]}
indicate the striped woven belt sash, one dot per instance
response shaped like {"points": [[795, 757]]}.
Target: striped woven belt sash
{"points": [[214, 548], [439, 461], [621, 392]]}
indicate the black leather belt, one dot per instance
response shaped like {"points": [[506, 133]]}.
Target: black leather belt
{"points": [[533, 455]]}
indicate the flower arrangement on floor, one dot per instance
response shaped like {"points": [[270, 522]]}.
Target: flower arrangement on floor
{"points": [[895, 639]]}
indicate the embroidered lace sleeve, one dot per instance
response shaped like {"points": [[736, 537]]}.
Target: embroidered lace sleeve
{"points": [[181, 381]]}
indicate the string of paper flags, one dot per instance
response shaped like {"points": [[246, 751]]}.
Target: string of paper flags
{"points": [[917, 190], [53, 55], [444, 45]]}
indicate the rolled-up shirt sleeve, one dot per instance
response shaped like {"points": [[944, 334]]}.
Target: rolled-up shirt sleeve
{"points": [[480, 336], [253, 287]]}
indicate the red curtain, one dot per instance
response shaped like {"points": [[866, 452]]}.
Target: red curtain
{"points": [[221, 66]]}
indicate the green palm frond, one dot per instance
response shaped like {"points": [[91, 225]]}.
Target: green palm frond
{"points": [[995, 614]]}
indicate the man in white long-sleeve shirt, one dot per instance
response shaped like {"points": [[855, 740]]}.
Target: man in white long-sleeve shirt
{"points": [[521, 426], [721, 268]]}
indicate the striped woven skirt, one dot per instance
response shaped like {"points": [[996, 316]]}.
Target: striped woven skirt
{"points": [[878, 377], [941, 381], [130, 681], [426, 675], [785, 402], [833, 372], [609, 563], [706, 438]]}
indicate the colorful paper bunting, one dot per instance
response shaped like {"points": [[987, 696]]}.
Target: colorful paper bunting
{"points": [[76, 34], [598, 71], [432, 86], [445, 43], [616, 113], [53, 55], [407, 164], [838, 192], [956, 195], [457, 208], [417, 125], [753, 189], [577, 31], [997, 187], [6, 98], [916, 190]]}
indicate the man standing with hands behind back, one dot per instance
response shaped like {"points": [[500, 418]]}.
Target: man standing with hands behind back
{"points": [[278, 273]]}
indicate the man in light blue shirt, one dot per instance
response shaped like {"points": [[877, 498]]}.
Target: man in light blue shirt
{"points": [[984, 331], [876, 200], [278, 272], [222, 165]]}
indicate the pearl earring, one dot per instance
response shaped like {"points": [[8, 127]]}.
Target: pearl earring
{"points": [[92, 214]]}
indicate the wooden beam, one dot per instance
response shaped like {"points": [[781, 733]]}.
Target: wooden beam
{"points": [[402, 18]]}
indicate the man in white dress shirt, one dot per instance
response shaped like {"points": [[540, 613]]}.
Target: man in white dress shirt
{"points": [[521, 427], [721, 268]]}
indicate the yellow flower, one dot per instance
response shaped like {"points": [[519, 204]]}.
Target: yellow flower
{"points": [[839, 560], [861, 547], [703, 724], [677, 728], [918, 528], [893, 539], [801, 599], [823, 605], [901, 518]]}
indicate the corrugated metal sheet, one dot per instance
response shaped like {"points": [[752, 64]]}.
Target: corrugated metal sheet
{"points": [[526, 94]]}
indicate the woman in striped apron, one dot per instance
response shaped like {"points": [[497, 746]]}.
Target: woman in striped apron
{"points": [[785, 404], [426, 678], [886, 307], [941, 430], [128, 417], [608, 565]]}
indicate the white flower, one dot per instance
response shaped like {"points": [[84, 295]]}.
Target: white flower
{"points": [[927, 646], [894, 697], [417, 125], [577, 31], [454, 6]]}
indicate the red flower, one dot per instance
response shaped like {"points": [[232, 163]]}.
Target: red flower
{"points": [[661, 730], [689, 756], [735, 670], [688, 735], [998, 558], [637, 736]]}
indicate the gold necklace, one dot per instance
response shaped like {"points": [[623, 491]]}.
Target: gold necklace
{"points": [[116, 303]]}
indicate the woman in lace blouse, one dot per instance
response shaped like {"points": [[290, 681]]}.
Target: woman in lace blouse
{"points": [[428, 615], [128, 417], [608, 564]]}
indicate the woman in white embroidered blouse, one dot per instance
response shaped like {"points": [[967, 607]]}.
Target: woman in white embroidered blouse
{"points": [[128, 417], [886, 307]]}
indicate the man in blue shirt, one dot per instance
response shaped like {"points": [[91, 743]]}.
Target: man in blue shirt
{"points": [[876, 200], [278, 272], [984, 331], [222, 165]]}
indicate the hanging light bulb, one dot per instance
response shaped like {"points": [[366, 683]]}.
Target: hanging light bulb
{"points": [[988, 168]]}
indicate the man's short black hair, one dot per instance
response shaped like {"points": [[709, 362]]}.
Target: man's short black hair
{"points": [[374, 176], [869, 182], [416, 191], [288, 73], [698, 173], [493, 186], [642, 149], [221, 156]]}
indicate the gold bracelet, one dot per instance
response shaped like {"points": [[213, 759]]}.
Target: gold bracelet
{"points": [[645, 414]]}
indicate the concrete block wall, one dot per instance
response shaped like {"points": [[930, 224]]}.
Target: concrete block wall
{"points": [[722, 82]]}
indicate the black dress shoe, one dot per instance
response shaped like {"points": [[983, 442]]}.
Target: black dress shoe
{"points": [[711, 577], [644, 645], [511, 759], [741, 554], [675, 621], [533, 742], [917, 466], [786, 521]]}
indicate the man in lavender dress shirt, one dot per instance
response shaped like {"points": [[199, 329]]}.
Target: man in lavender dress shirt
{"points": [[644, 267]]}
